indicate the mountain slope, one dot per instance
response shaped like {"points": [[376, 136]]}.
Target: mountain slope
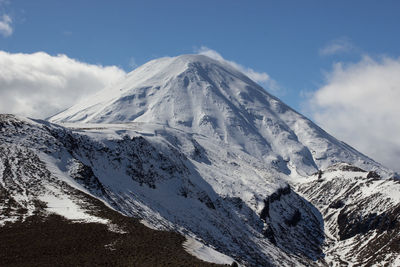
{"points": [[149, 178], [200, 95], [54, 210], [191, 145], [361, 213]]}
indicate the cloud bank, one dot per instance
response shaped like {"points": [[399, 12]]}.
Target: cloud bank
{"points": [[360, 104], [260, 77], [39, 85]]}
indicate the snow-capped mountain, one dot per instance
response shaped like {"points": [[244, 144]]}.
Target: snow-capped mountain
{"points": [[203, 96], [192, 145]]}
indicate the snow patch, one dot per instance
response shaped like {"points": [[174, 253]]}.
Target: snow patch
{"points": [[64, 206], [205, 253]]}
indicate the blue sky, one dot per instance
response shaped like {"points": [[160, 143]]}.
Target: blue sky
{"points": [[319, 53], [282, 38]]}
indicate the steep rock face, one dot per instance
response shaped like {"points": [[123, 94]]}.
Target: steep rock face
{"points": [[361, 214], [200, 95], [289, 217]]}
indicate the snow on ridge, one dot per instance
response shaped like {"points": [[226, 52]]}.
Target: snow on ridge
{"points": [[206, 253], [62, 205]]}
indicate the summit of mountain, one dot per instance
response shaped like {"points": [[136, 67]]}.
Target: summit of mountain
{"points": [[201, 95]]}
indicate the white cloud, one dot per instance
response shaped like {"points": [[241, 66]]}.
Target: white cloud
{"points": [[360, 104], [260, 77], [38, 85], [5, 25], [341, 45]]}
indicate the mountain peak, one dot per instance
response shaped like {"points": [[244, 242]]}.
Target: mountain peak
{"points": [[187, 59], [194, 58], [179, 62], [200, 95], [183, 79]]}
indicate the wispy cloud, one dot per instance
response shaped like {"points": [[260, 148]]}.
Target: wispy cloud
{"points": [[260, 77], [6, 25], [337, 46], [359, 104], [132, 63], [38, 85]]}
